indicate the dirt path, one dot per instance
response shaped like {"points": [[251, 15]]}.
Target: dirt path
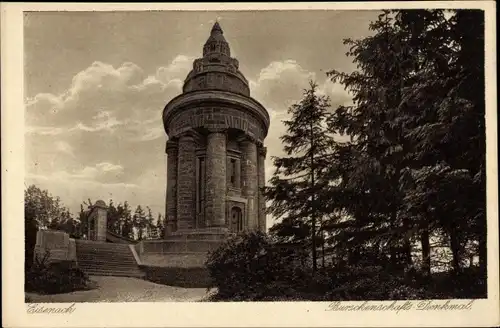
{"points": [[123, 289]]}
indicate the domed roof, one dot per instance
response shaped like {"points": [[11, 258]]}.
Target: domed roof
{"points": [[216, 70], [100, 203]]}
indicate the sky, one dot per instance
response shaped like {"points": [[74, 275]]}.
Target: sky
{"points": [[96, 84]]}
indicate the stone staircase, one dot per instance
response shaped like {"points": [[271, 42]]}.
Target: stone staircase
{"points": [[107, 259]]}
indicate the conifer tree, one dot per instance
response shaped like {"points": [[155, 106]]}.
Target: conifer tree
{"points": [[113, 218], [128, 225], [160, 227], [150, 224], [140, 222], [298, 180], [415, 163]]}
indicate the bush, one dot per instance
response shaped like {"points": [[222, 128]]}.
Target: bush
{"points": [[468, 283], [251, 267], [57, 277], [363, 282]]}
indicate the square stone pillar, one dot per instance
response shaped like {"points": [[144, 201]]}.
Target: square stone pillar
{"points": [[97, 221], [186, 182], [172, 151], [262, 183], [249, 187], [216, 183]]}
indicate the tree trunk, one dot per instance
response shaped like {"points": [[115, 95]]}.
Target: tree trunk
{"points": [[407, 244], [313, 201], [426, 251], [483, 254], [455, 250], [313, 237], [322, 248]]}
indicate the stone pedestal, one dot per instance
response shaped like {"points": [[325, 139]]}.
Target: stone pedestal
{"points": [[56, 245]]}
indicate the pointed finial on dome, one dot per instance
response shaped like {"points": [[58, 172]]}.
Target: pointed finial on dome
{"points": [[216, 42], [216, 28]]}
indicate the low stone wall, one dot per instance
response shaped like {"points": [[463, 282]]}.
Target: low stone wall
{"points": [[176, 262], [58, 245], [176, 246]]}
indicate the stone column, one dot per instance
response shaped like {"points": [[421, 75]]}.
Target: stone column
{"points": [[262, 183], [249, 187], [216, 179], [186, 182], [172, 151]]}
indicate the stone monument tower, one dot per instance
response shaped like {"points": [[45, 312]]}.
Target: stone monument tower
{"points": [[215, 151]]}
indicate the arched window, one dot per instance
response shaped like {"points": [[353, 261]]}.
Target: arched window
{"points": [[236, 219]]}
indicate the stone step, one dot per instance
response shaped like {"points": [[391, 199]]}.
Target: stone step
{"points": [[136, 274], [105, 262], [110, 269], [104, 252], [93, 242], [106, 255], [102, 248], [84, 257], [99, 258], [110, 265], [109, 254]]}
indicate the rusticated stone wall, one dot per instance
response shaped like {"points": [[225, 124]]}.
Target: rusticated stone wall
{"points": [[215, 80], [216, 118]]}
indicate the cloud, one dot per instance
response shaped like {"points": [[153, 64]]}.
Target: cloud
{"points": [[93, 173], [279, 84], [337, 93], [108, 167], [176, 70], [64, 147], [104, 97]]}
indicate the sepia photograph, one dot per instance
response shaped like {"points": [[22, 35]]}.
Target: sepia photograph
{"points": [[276, 156]]}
